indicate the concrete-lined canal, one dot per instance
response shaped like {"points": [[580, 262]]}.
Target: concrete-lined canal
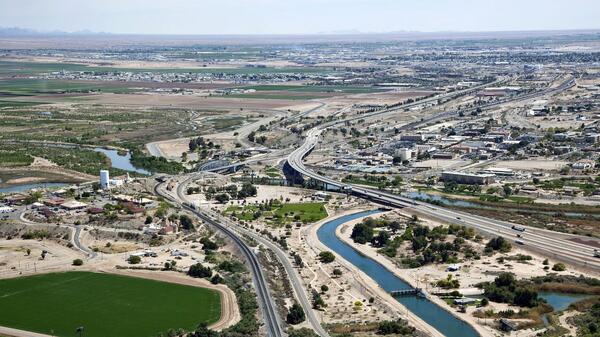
{"points": [[428, 311]]}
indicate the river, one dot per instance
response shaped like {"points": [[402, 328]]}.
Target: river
{"points": [[428, 311], [27, 187], [122, 162]]}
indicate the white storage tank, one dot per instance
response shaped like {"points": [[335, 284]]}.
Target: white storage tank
{"points": [[104, 179]]}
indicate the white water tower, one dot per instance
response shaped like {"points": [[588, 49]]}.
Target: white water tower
{"points": [[104, 179]]}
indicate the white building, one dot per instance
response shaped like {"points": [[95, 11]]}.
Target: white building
{"points": [[405, 154]]}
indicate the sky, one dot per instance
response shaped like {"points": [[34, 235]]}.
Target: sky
{"points": [[297, 16]]}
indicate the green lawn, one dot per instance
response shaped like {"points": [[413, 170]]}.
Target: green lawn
{"points": [[104, 304], [282, 213], [308, 212]]}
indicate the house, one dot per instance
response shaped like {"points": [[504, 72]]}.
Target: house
{"points": [[16, 199], [53, 202]]}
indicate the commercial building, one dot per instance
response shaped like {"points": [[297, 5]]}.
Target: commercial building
{"points": [[468, 178]]}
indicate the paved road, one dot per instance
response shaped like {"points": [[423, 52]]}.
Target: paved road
{"points": [[270, 315], [550, 243], [295, 279]]}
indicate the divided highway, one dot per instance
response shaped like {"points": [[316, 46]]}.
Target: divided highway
{"points": [[550, 243], [271, 318]]}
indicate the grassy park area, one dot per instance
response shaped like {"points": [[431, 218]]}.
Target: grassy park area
{"points": [[278, 213], [104, 304]]}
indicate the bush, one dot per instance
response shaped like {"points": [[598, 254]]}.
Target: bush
{"points": [[295, 315], [559, 267], [78, 262], [498, 244], [134, 259], [399, 327], [326, 257]]}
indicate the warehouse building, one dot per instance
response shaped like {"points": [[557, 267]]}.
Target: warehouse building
{"points": [[468, 178]]}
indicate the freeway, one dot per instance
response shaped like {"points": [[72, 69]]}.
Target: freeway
{"points": [[272, 321], [295, 279], [549, 243]]}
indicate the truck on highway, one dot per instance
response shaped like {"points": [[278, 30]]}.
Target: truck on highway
{"points": [[596, 253], [518, 228], [519, 242]]}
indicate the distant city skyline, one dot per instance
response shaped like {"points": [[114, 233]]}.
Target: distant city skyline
{"points": [[298, 16]]}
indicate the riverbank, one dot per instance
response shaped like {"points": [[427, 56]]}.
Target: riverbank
{"points": [[368, 283], [409, 276]]}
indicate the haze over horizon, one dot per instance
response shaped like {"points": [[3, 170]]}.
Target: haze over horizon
{"points": [[212, 17]]}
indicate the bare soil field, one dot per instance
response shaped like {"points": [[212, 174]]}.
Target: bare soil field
{"points": [[184, 101], [532, 165]]}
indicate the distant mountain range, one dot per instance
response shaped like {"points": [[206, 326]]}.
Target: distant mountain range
{"points": [[17, 31]]}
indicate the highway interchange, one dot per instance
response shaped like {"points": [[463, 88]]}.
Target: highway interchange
{"points": [[556, 245]]}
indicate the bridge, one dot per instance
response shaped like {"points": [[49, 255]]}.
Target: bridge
{"points": [[409, 292]]}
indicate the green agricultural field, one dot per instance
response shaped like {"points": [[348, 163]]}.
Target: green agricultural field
{"points": [[27, 86], [16, 104], [32, 68], [104, 304]]}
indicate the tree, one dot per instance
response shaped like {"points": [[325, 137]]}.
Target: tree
{"points": [[148, 220], [498, 244], [28, 251], [134, 259], [526, 297], [337, 272], [216, 279], [78, 262], [295, 315], [381, 239], [362, 233], [324, 288], [44, 253], [326, 257], [186, 222], [222, 198], [199, 271], [247, 190]]}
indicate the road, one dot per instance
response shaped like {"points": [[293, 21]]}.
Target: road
{"points": [[282, 257], [553, 244], [272, 320]]}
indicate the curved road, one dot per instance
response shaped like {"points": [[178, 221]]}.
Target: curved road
{"points": [[295, 279], [272, 321], [550, 243]]}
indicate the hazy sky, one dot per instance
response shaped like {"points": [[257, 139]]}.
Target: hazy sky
{"points": [[297, 16]]}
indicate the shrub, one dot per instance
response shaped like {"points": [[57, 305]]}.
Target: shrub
{"points": [[326, 257], [78, 262], [559, 267], [134, 259]]}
